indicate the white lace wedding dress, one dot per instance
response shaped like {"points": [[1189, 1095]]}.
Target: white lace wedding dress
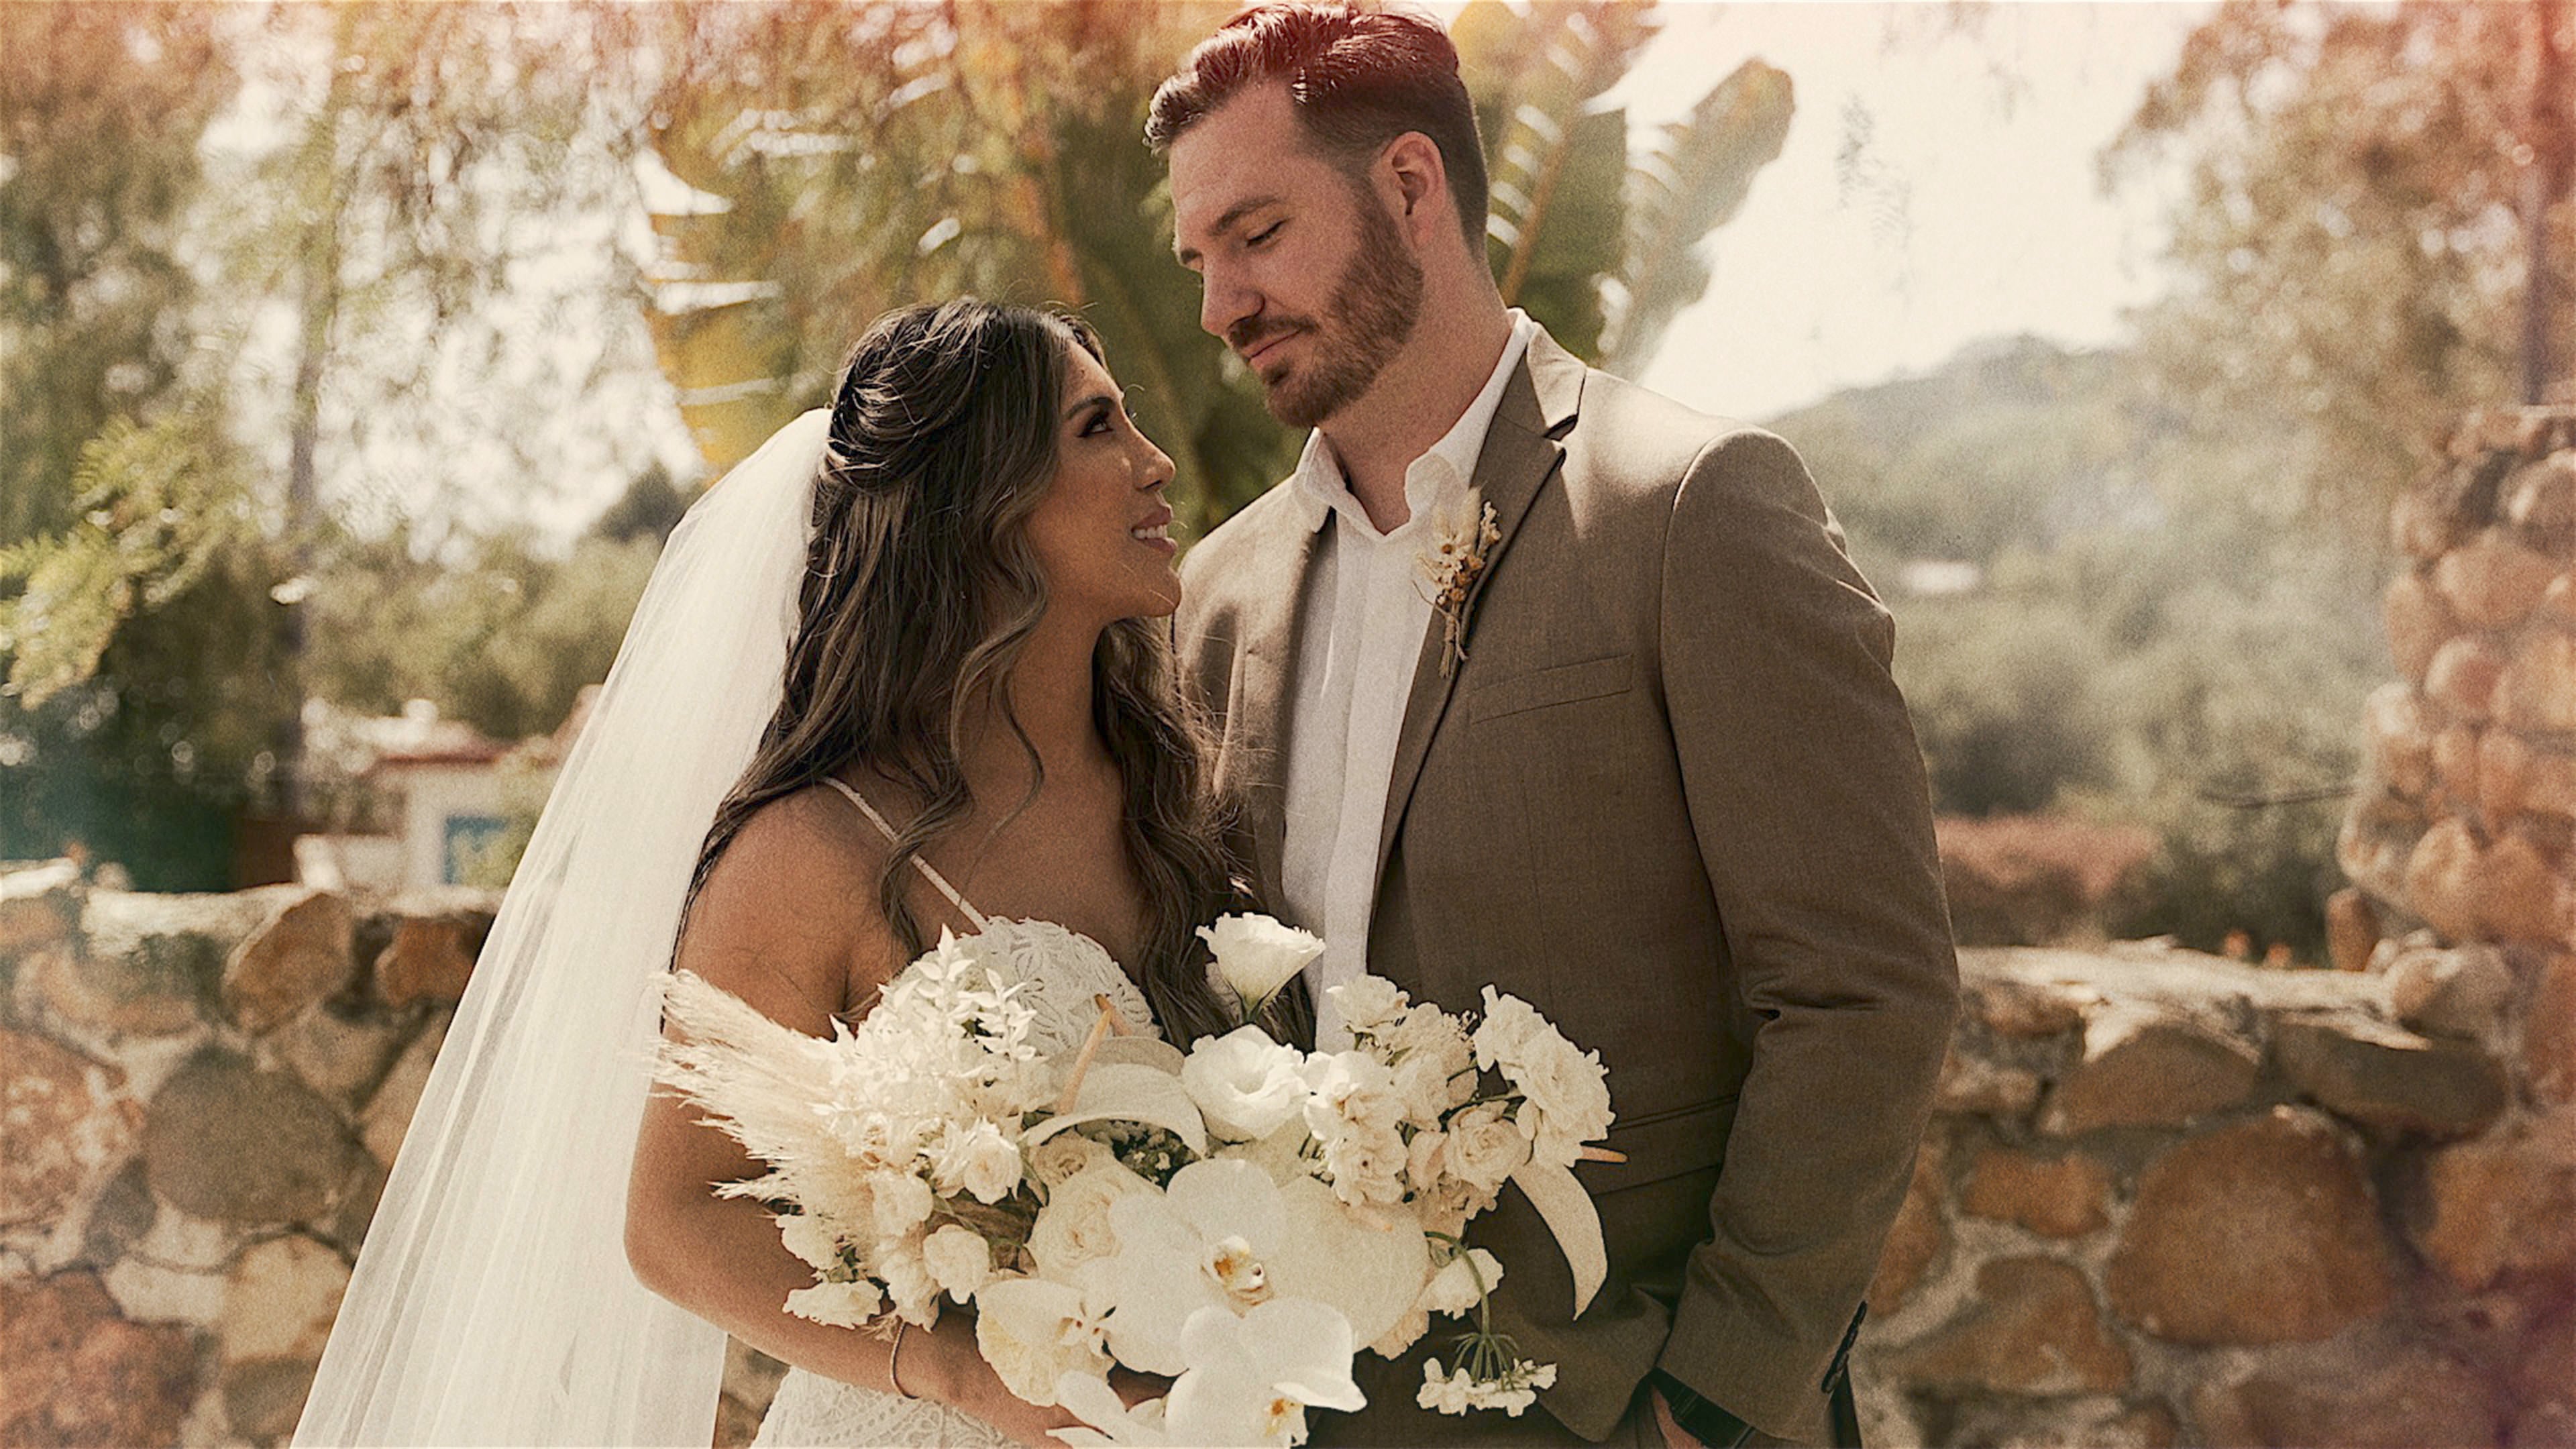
{"points": [[1067, 973]]}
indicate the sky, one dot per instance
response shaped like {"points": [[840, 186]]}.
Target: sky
{"points": [[1938, 186]]}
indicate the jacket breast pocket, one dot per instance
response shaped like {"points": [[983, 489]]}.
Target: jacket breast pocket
{"points": [[1557, 684]]}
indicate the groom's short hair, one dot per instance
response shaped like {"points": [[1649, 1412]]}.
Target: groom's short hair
{"points": [[1359, 75]]}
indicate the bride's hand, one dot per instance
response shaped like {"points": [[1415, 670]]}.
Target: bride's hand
{"points": [[945, 1364]]}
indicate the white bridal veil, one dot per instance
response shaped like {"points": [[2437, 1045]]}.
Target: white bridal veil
{"points": [[492, 1303]]}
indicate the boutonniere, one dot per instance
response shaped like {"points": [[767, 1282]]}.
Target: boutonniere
{"points": [[1463, 537]]}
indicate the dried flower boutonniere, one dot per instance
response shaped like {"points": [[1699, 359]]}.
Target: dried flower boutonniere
{"points": [[1465, 533]]}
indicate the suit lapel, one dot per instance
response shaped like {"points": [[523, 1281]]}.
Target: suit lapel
{"points": [[1252, 765], [1519, 455]]}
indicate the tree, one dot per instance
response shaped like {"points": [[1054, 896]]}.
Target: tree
{"points": [[2354, 263], [840, 162]]}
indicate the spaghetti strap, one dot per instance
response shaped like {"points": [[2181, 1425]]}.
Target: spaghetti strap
{"points": [[927, 869]]}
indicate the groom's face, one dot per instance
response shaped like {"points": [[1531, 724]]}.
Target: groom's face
{"points": [[1303, 273]]}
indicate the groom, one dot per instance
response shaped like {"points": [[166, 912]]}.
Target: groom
{"points": [[1661, 785]]}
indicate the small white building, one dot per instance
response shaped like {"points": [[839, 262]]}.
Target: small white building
{"points": [[427, 793]]}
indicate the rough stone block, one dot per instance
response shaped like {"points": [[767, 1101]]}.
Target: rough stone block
{"points": [[2419, 622], [280, 1300], [2455, 762], [2024, 1009], [2401, 743], [65, 1124], [2259, 1231], [430, 958], [2352, 929], [264, 1397], [2524, 896], [2492, 582], [2540, 503], [2144, 1068], [75, 1373], [119, 1217], [39, 907], [1975, 1086], [2445, 881], [2507, 1201], [2375, 1074], [1920, 1235], [2408, 1401], [2460, 991], [2463, 677], [234, 1144], [388, 1113], [2537, 690], [339, 1055], [2031, 1328], [2055, 1197], [298, 956], [2549, 1030]]}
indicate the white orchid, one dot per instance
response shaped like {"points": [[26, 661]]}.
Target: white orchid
{"points": [[1036, 1334], [1207, 1241], [1255, 956], [1249, 1381]]}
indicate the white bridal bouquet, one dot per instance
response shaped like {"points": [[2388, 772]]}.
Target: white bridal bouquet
{"points": [[1242, 1217]]}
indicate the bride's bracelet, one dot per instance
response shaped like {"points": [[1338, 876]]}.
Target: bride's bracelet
{"points": [[894, 1360]]}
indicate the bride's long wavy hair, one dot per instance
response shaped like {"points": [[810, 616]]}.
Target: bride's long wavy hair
{"points": [[920, 595]]}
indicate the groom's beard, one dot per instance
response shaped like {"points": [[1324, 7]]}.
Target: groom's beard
{"points": [[1373, 311]]}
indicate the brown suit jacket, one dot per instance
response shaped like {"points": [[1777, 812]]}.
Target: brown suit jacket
{"points": [[1672, 799]]}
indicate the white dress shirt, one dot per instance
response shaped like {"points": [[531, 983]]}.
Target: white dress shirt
{"points": [[1366, 608]]}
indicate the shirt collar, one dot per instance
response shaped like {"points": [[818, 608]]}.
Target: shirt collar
{"points": [[1446, 465]]}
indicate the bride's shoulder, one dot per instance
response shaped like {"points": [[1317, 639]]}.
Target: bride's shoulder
{"points": [[793, 896]]}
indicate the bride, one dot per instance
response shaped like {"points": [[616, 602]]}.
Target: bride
{"points": [[903, 670]]}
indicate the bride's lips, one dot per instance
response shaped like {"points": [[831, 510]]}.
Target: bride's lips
{"points": [[1155, 532]]}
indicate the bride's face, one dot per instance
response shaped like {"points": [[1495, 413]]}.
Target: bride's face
{"points": [[1103, 530]]}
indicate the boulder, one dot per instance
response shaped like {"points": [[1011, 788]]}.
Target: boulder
{"points": [[2056, 1197], [2445, 881], [2492, 581], [2463, 676], [2419, 622], [2540, 503], [2549, 1030], [280, 1300], [339, 1054], [296, 957], [2352, 929], [430, 958], [65, 1122], [228, 1142], [2409, 1400], [2461, 991], [2146, 1068], [388, 1114], [2258, 1231], [75, 1373], [2502, 1202], [2524, 896], [2393, 1080], [2032, 1327], [264, 1397], [2537, 690]]}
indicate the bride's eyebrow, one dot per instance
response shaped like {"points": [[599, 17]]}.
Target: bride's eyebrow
{"points": [[1096, 400]]}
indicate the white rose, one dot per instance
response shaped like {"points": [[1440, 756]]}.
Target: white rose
{"points": [[977, 1159], [909, 1284], [1572, 1097], [1244, 1083], [1424, 1085], [842, 1305], [1510, 1025], [1366, 1164], [1255, 955], [1453, 1290], [1073, 1228], [902, 1202], [1033, 1332], [959, 1260], [1349, 1086], [1056, 1161], [1424, 1158], [1485, 1147], [806, 1237], [1364, 1002]]}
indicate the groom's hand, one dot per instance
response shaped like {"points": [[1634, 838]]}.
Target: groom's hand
{"points": [[1675, 1436]]}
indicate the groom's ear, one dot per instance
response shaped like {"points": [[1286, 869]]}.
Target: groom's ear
{"points": [[1415, 182]]}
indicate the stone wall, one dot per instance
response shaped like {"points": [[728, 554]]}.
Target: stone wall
{"points": [[2167, 1198], [2466, 821]]}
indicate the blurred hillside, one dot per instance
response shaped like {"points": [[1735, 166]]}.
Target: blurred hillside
{"points": [[2101, 616]]}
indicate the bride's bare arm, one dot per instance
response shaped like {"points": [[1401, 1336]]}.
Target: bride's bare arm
{"points": [[787, 921]]}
